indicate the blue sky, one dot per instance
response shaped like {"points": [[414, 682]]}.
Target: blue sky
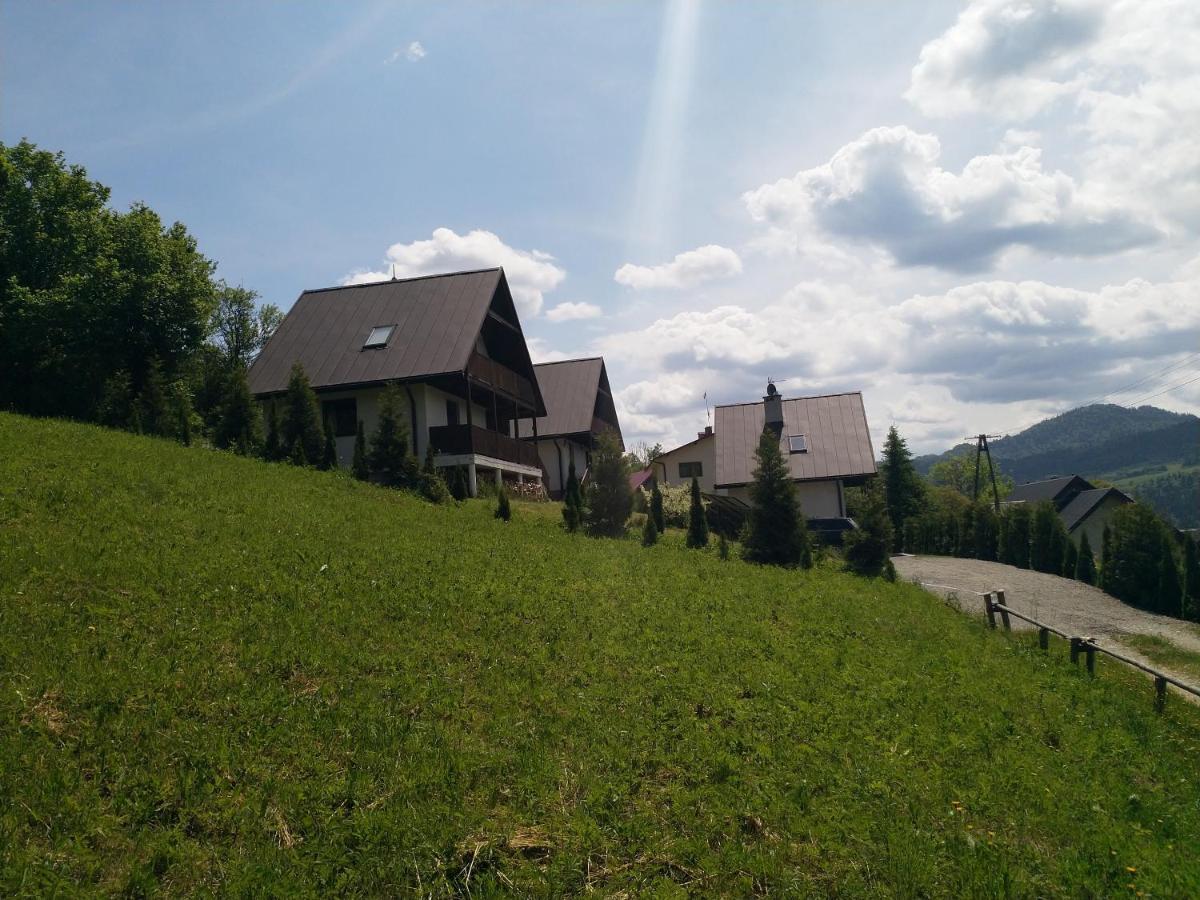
{"points": [[977, 213]]}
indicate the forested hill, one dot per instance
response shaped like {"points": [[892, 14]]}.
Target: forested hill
{"points": [[1133, 448]]}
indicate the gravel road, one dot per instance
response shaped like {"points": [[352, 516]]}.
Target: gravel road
{"points": [[1071, 606]]}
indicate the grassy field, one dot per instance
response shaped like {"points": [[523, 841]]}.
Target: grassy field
{"points": [[222, 676], [1163, 652]]}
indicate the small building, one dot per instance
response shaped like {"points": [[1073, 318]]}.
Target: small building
{"points": [[1083, 507], [824, 440], [453, 344], [579, 408]]}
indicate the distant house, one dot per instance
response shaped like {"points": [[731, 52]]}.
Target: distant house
{"points": [[454, 345], [1083, 508], [642, 479], [579, 407], [824, 440]]}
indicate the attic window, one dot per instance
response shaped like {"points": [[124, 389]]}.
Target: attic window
{"points": [[797, 443], [379, 336]]}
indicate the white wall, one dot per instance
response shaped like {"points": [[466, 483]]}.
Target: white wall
{"points": [[550, 456], [818, 499], [703, 451]]}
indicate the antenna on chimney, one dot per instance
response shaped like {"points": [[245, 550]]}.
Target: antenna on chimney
{"points": [[707, 414], [393, 271]]}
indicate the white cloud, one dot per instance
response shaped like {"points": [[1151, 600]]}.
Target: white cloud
{"points": [[530, 273], [570, 312], [539, 352], [686, 270], [414, 52], [886, 189], [1127, 68]]}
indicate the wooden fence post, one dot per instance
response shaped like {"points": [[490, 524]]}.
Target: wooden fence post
{"points": [[1003, 612], [1075, 650], [1044, 638], [1160, 693], [991, 610]]}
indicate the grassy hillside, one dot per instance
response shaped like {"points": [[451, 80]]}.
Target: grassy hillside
{"points": [[224, 676]]}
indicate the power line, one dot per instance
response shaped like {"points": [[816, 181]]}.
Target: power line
{"points": [[1168, 390], [1175, 365]]}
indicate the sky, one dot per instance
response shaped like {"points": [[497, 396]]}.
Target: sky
{"points": [[978, 214]]}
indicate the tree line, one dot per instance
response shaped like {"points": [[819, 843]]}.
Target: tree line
{"points": [[1143, 561]]}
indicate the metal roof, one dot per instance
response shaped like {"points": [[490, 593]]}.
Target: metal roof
{"points": [[1049, 489], [839, 444], [437, 319], [570, 388], [1084, 502]]}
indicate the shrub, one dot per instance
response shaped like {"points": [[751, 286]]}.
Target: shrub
{"points": [[656, 508], [722, 546], [301, 422], [432, 487], [1141, 568], [390, 460], [359, 466], [649, 532], [1085, 563], [639, 501], [609, 502], [776, 533], [1014, 536], [572, 500], [1070, 559], [273, 447], [237, 427], [867, 548], [503, 507], [329, 458], [697, 535]]}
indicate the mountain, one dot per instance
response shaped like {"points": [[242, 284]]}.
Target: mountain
{"points": [[1150, 452]]}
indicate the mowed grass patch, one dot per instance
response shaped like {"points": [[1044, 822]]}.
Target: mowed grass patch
{"points": [[218, 675], [1162, 652]]}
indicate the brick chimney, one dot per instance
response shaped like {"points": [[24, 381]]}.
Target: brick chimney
{"points": [[773, 408]]}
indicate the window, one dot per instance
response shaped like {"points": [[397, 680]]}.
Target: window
{"points": [[797, 443], [451, 412], [691, 470], [342, 415], [379, 336]]}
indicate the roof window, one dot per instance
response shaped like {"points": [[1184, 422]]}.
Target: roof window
{"points": [[797, 443], [379, 336]]}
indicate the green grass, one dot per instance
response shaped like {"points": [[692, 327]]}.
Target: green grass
{"points": [[1131, 478], [1162, 652], [221, 676]]}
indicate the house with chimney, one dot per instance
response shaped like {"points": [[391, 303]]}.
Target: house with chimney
{"points": [[1082, 507], [452, 343], [824, 440], [579, 408]]}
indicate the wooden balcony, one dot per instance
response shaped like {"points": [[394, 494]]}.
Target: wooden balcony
{"points": [[501, 378], [456, 439]]}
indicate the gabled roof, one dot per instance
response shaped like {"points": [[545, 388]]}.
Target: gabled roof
{"points": [[640, 477], [1049, 489], [835, 426], [703, 436], [576, 392], [438, 320], [1075, 512]]}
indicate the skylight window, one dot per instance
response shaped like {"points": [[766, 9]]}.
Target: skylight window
{"points": [[379, 336], [797, 443]]}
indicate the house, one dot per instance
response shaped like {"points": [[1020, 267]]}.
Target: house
{"points": [[824, 440], [453, 343], [579, 407], [643, 479], [1083, 507]]}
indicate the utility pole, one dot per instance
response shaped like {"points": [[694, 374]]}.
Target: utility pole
{"points": [[981, 447]]}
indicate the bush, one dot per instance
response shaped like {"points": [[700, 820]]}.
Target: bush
{"points": [[503, 507], [697, 535], [390, 460], [1141, 568], [1085, 563], [359, 466], [649, 532], [867, 548], [432, 487], [572, 500], [656, 508], [301, 422]]}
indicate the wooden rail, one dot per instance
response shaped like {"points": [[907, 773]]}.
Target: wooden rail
{"points": [[994, 603]]}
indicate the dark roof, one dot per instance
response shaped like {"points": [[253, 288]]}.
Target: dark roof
{"points": [[437, 317], [640, 477], [839, 444], [576, 392], [1050, 489], [1084, 502]]}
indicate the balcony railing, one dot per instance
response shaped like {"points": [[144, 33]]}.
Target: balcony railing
{"points": [[501, 377], [473, 439]]}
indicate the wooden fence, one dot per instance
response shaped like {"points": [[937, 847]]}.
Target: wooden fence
{"points": [[994, 604]]}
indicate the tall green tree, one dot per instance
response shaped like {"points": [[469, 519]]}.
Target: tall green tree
{"points": [[1085, 565], [1191, 577], [609, 497], [958, 473], [1105, 556], [1141, 569], [903, 491], [238, 427], [390, 459], [776, 533], [697, 533], [1014, 535], [273, 446], [240, 328], [301, 422], [1070, 559]]}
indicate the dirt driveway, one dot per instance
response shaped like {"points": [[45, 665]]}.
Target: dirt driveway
{"points": [[1070, 606]]}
